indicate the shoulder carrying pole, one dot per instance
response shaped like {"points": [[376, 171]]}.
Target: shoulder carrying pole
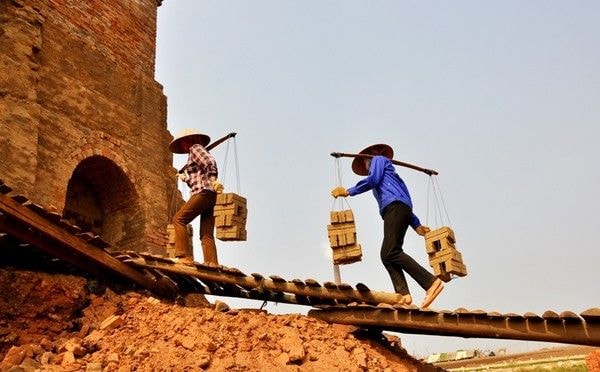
{"points": [[220, 141], [214, 144], [396, 162]]}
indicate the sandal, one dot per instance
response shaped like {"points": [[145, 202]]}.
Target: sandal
{"points": [[433, 291]]}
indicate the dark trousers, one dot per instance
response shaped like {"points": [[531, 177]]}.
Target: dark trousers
{"points": [[396, 219], [203, 205]]}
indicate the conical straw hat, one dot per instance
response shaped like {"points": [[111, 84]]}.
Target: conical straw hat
{"points": [[193, 134], [358, 164]]}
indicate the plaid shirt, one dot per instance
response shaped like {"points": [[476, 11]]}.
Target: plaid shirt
{"points": [[200, 167]]}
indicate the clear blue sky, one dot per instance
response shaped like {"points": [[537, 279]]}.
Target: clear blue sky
{"points": [[501, 97]]}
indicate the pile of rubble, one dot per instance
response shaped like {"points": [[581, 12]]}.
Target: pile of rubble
{"points": [[57, 323]]}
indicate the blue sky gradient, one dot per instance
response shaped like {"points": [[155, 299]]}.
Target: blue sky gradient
{"points": [[501, 97]]}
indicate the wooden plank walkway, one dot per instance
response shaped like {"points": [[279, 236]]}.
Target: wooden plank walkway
{"points": [[46, 230]]}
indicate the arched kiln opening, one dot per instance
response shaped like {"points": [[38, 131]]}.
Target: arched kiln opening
{"points": [[101, 198]]}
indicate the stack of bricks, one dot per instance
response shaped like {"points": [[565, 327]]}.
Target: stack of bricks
{"points": [[342, 238], [170, 247], [443, 256], [230, 217]]}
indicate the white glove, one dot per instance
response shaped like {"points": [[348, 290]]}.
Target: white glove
{"points": [[183, 176], [217, 186]]}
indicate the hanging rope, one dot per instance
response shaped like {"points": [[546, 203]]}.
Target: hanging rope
{"points": [[225, 162], [439, 205], [236, 161], [338, 181], [237, 166]]}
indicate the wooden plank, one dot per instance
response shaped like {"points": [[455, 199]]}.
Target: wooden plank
{"points": [[420, 322], [277, 279], [32, 220], [550, 315], [167, 284], [233, 271], [361, 287], [330, 285], [208, 266], [312, 283], [97, 241], [533, 317], [38, 209], [48, 245], [348, 287], [73, 229], [53, 217], [21, 199], [86, 236], [513, 316], [591, 315], [569, 316], [153, 257], [4, 188], [251, 282]]}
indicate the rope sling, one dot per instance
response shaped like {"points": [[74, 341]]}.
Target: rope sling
{"points": [[342, 231], [440, 243], [231, 211]]}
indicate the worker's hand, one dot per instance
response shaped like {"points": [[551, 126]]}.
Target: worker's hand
{"points": [[183, 176], [339, 191], [217, 186], [422, 230]]}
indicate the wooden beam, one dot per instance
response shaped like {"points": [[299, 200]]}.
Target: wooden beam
{"points": [[250, 282], [23, 216], [465, 324]]}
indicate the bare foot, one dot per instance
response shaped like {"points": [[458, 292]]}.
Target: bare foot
{"points": [[189, 261], [405, 300]]}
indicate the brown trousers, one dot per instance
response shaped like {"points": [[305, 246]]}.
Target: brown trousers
{"points": [[203, 205]]}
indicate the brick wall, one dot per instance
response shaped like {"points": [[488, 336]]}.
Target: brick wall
{"points": [[80, 109]]}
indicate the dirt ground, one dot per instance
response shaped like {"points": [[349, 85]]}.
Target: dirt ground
{"points": [[593, 361], [57, 322]]}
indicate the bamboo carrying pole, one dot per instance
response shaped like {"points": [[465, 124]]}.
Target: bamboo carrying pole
{"points": [[213, 145], [220, 141], [396, 162]]}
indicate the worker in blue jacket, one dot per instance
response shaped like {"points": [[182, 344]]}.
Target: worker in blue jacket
{"points": [[396, 209]]}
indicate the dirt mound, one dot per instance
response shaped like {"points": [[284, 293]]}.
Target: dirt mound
{"points": [[54, 323]]}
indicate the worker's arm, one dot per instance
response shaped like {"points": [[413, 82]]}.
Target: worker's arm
{"points": [[375, 176]]}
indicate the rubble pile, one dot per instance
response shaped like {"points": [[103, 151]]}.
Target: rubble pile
{"points": [[56, 323]]}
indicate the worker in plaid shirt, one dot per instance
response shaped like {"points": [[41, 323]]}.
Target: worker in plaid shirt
{"points": [[200, 174]]}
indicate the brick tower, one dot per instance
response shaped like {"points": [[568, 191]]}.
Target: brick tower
{"points": [[82, 120]]}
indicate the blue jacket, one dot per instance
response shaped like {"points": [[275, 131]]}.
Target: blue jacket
{"points": [[387, 186]]}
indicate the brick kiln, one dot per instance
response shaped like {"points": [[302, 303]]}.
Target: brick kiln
{"points": [[82, 120]]}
